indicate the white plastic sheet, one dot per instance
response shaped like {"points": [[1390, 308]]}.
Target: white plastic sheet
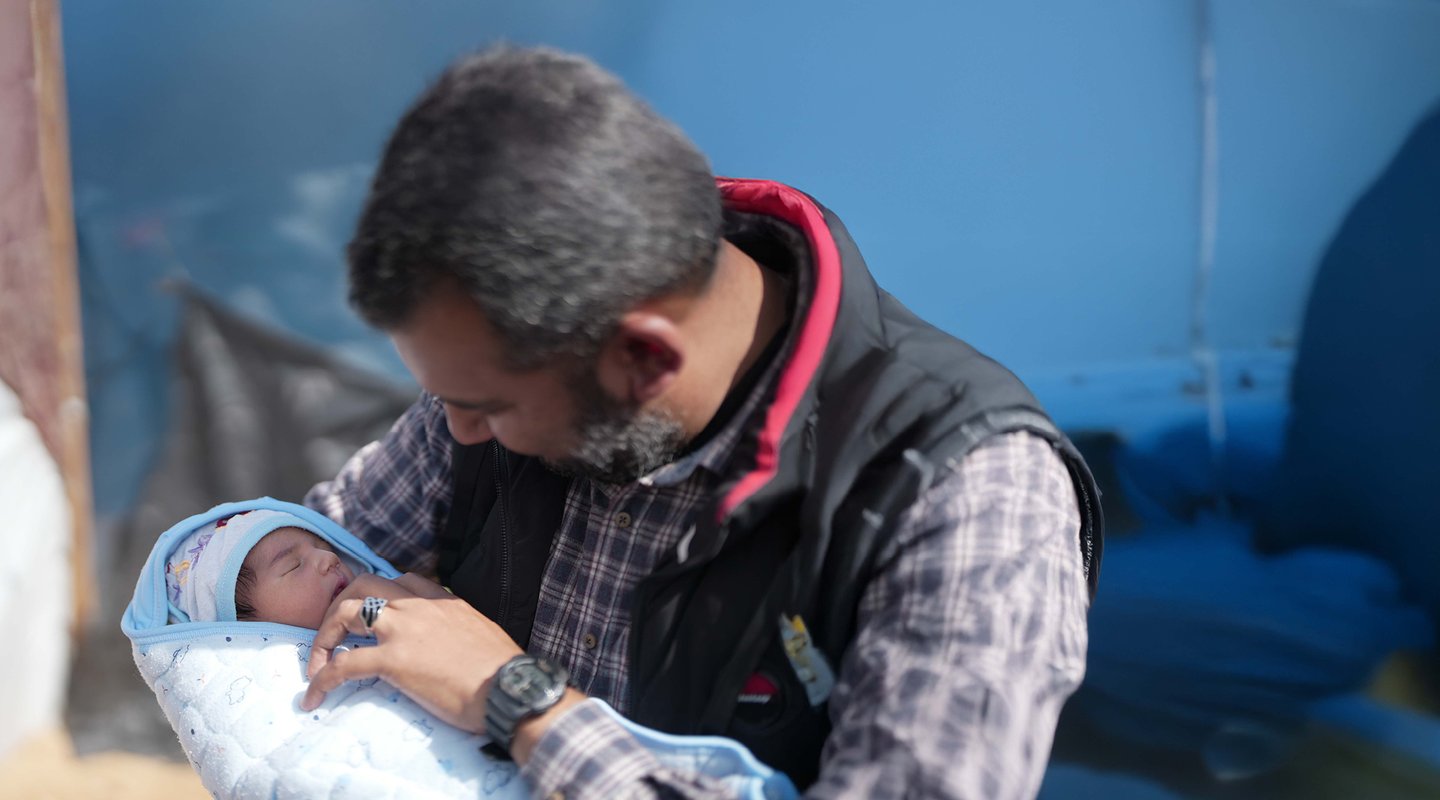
{"points": [[35, 578]]}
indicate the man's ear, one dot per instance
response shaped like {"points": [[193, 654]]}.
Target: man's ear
{"points": [[642, 358]]}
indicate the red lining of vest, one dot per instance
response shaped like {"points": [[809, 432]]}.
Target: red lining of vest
{"points": [[778, 200]]}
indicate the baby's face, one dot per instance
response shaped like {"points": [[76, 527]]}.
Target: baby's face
{"points": [[297, 574]]}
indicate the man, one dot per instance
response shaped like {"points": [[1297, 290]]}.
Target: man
{"points": [[678, 447]]}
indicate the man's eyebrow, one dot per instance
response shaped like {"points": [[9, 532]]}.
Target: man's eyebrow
{"points": [[473, 405]]}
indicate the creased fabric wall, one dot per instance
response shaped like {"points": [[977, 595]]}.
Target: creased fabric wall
{"points": [[253, 412]]}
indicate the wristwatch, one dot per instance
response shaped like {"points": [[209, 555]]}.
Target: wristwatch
{"points": [[525, 687]]}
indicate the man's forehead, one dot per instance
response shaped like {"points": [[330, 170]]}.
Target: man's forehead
{"points": [[445, 341]]}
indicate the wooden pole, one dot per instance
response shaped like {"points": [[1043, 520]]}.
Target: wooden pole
{"points": [[71, 415]]}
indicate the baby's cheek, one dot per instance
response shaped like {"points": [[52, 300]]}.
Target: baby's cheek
{"points": [[317, 610]]}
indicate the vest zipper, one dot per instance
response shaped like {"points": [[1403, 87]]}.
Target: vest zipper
{"points": [[501, 478]]}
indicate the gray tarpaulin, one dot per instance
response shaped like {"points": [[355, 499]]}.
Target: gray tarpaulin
{"points": [[252, 412]]}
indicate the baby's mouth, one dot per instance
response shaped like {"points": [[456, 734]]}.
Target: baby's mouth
{"points": [[339, 587]]}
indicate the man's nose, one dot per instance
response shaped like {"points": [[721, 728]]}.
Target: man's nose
{"points": [[467, 427]]}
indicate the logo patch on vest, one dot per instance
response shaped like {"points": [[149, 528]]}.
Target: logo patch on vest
{"points": [[761, 702], [809, 663], [759, 690]]}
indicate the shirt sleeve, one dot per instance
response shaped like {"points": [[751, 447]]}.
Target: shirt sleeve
{"points": [[587, 755], [971, 637], [394, 494]]}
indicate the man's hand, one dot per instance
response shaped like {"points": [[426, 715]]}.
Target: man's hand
{"points": [[423, 586], [431, 645]]}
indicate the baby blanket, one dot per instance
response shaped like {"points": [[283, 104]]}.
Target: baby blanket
{"points": [[231, 691]]}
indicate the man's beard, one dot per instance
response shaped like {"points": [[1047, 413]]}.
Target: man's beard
{"points": [[616, 443]]}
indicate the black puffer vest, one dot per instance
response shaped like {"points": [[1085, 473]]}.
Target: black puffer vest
{"points": [[871, 401]]}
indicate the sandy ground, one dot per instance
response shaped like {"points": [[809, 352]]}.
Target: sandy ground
{"points": [[46, 768]]}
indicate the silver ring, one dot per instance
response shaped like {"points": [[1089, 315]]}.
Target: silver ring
{"points": [[370, 611]]}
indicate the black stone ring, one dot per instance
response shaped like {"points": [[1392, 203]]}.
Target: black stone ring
{"points": [[370, 611]]}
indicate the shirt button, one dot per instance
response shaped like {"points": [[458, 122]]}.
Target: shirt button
{"points": [[623, 520], [555, 796], [588, 641]]}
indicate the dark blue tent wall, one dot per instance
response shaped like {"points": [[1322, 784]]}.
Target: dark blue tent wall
{"points": [[1359, 468]]}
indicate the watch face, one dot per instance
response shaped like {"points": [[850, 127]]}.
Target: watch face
{"points": [[519, 680], [528, 681]]}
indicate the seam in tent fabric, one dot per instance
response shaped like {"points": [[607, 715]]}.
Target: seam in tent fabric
{"points": [[1201, 348]]}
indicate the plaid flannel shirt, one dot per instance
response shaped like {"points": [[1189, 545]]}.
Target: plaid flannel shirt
{"points": [[970, 638]]}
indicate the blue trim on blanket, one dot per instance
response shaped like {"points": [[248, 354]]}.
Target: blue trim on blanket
{"points": [[775, 785], [189, 631]]}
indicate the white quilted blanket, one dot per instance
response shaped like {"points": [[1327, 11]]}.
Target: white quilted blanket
{"points": [[232, 698], [231, 692]]}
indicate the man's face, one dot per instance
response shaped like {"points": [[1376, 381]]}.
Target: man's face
{"points": [[297, 574], [560, 414]]}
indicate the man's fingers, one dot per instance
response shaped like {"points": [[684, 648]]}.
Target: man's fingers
{"points": [[342, 619], [319, 657], [347, 665], [326, 670]]}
